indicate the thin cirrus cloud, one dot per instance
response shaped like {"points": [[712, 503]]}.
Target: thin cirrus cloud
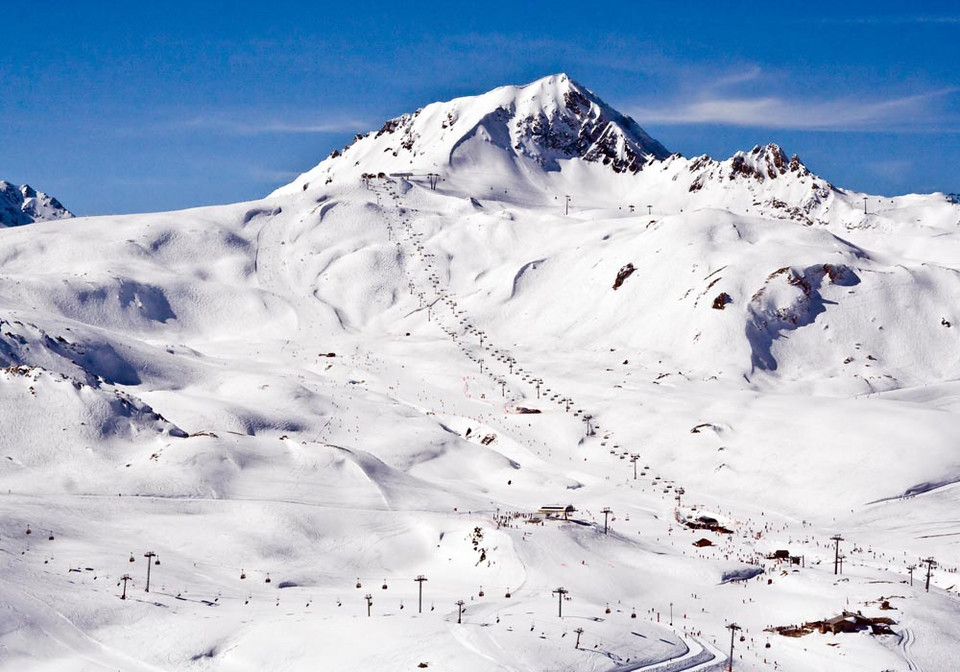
{"points": [[908, 113], [246, 127]]}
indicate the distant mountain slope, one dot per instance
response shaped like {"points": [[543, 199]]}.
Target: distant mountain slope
{"points": [[25, 205]]}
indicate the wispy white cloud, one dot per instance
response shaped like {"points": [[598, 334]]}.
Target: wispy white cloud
{"points": [[896, 171], [271, 176], [914, 112], [240, 123], [237, 126]]}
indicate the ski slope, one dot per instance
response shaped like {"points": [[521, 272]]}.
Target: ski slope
{"points": [[289, 397]]}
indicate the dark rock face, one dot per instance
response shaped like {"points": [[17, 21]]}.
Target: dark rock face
{"points": [[624, 273], [721, 301], [585, 127], [767, 162]]}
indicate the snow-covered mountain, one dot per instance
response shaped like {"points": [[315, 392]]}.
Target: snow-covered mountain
{"points": [[25, 205], [555, 137], [537, 127], [304, 402]]}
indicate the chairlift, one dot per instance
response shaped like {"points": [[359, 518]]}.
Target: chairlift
{"points": [[156, 560], [480, 594], [29, 531], [132, 559], [267, 580], [508, 594], [607, 610], [50, 538], [359, 585], [384, 586], [243, 575], [633, 614]]}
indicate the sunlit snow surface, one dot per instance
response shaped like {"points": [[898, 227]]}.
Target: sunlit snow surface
{"points": [[295, 389]]}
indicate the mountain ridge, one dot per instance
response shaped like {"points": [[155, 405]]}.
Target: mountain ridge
{"points": [[544, 122], [558, 137], [25, 205]]}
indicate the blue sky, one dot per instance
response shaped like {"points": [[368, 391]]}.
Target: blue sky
{"points": [[126, 107]]}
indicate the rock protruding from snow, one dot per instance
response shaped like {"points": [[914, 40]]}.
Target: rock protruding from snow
{"points": [[25, 205], [541, 124], [764, 177], [556, 118]]}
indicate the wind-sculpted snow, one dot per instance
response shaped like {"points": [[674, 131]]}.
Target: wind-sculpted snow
{"points": [[790, 299]]}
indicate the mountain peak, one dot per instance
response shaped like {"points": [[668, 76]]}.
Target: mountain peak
{"points": [[539, 126], [25, 205], [768, 161]]}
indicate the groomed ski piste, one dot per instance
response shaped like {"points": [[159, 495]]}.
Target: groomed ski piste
{"points": [[393, 367]]}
